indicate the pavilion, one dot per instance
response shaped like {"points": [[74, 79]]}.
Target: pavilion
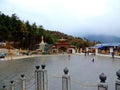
{"points": [[107, 48], [62, 46]]}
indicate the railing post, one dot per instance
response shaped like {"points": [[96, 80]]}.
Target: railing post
{"points": [[4, 88], [41, 78], [44, 79], [37, 79], [23, 82], [66, 80], [12, 85], [102, 85], [117, 83]]}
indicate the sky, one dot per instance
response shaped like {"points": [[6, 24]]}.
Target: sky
{"points": [[72, 17]]}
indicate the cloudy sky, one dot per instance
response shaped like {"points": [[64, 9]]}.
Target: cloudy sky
{"points": [[73, 17]]}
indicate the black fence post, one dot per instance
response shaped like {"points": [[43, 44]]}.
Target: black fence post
{"points": [[12, 85], [102, 85], [66, 80], [41, 78], [23, 82], [117, 83], [4, 88]]}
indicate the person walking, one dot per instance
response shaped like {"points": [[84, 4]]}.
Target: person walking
{"points": [[113, 54]]}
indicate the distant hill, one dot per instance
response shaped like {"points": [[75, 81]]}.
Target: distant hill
{"points": [[21, 34], [102, 38]]}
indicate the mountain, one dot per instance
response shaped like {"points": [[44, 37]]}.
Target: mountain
{"points": [[103, 38]]}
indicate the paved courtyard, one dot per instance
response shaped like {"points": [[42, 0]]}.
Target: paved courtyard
{"points": [[83, 71]]}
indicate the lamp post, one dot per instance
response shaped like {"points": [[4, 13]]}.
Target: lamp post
{"points": [[117, 83], [102, 85]]}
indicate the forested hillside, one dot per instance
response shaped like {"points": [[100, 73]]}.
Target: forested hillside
{"points": [[22, 34]]}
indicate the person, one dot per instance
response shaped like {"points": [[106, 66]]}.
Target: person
{"points": [[10, 54], [93, 60], [113, 55], [85, 53], [88, 52], [69, 56]]}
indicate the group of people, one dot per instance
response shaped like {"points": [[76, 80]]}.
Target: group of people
{"points": [[88, 52]]}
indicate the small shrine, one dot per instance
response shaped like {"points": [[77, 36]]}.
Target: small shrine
{"points": [[62, 46], [42, 45]]}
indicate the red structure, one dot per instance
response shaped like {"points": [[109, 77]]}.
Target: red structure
{"points": [[62, 46]]}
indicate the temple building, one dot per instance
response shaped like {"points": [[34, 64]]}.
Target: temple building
{"points": [[62, 46]]}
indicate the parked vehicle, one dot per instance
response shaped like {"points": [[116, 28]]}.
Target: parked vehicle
{"points": [[2, 55]]}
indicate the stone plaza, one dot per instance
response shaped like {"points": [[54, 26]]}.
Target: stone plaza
{"points": [[83, 71]]}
